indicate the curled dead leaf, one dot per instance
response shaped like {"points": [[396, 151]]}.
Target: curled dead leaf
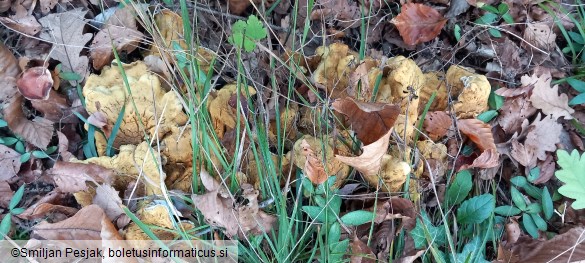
{"points": [[9, 162], [477, 131], [370, 161], [313, 168], [72, 177], [437, 124], [369, 120]]}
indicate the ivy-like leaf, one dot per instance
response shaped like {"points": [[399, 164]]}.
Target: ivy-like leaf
{"points": [[425, 229]]}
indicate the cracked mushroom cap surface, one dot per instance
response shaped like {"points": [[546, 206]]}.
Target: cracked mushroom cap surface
{"points": [[223, 107], [148, 108], [404, 77], [434, 81], [332, 73], [393, 173], [473, 100]]}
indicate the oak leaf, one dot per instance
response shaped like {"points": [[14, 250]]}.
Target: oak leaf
{"points": [[547, 99], [542, 137], [514, 112], [418, 23], [369, 120], [65, 32], [220, 210]]}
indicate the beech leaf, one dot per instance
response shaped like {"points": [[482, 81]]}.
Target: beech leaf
{"points": [[418, 23]]}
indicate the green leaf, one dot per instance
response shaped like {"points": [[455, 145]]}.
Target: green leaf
{"points": [[495, 101], [487, 19], [70, 76], [532, 191], [508, 18], [51, 150], [507, 210], [334, 233], [320, 200], [356, 218], [576, 84], [245, 34], [17, 211], [459, 188], [579, 99], [571, 173], [16, 197], [316, 213], [503, 8], [577, 38], [539, 222], [519, 181], [25, 157], [518, 198], [495, 33], [335, 203], [5, 224], [308, 186], [3, 123], [533, 208], [487, 116], [425, 229], [471, 252], [547, 204], [19, 147], [40, 154], [476, 209], [491, 9], [457, 32], [9, 141], [529, 225], [533, 174], [339, 247]]}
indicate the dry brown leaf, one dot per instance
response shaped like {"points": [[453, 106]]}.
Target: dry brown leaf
{"points": [[47, 5], [6, 194], [119, 30], [547, 170], [539, 35], [542, 137], [369, 120], [65, 32], [394, 208], [370, 161], [514, 112], [487, 159], [38, 132], [313, 168], [63, 147], [220, 210], [9, 162], [478, 132], [565, 247], [87, 224], [53, 202], [9, 71], [109, 200], [547, 99], [72, 177], [5, 5], [418, 23], [360, 252], [437, 124], [22, 21]]}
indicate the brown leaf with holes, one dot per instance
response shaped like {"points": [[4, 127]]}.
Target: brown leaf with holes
{"points": [[542, 137], [71, 177], [369, 120], [539, 35], [514, 112], [478, 132], [547, 99], [220, 210], [66, 32], [87, 224], [119, 30], [360, 252], [314, 169], [370, 161], [437, 124], [418, 23], [9, 162]]}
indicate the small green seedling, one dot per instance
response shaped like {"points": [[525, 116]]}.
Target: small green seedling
{"points": [[6, 223], [532, 210], [493, 17], [245, 34], [327, 212]]}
